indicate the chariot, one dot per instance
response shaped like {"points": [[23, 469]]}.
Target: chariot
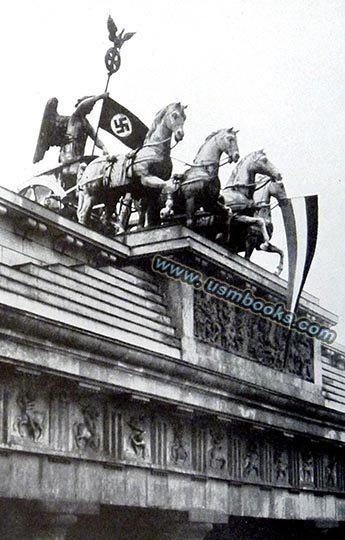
{"points": [[113, 194], [47, 190]]}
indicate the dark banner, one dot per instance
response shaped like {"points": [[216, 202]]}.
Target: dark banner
{"points": [[312, 218], [122, 123], [295, 287]]}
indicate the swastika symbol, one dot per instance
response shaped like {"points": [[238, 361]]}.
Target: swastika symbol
{"points": [[121, 125]]}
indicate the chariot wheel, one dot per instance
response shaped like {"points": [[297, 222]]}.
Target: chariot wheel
{"points": [[45, 192]]}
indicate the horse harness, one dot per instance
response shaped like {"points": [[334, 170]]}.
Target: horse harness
{"points": [[252, 184], [210, 168], [242, 210]]}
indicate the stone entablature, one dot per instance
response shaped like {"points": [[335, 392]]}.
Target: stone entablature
{"points": [[70, 423], [182, 321], [109, 396]]}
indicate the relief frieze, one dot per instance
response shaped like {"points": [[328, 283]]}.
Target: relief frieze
{"points": [[122, 432], [259, 339]]}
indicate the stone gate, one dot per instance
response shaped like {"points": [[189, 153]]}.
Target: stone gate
{"points": [[132, 405]]}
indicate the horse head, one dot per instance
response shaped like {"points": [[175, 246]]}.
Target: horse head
{"points": [[266, 188], [277, 190], [175, 118], [262, 165], [227, 142]]}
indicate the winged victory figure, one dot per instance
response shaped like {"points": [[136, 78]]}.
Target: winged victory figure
{"points": [[70, 133]]}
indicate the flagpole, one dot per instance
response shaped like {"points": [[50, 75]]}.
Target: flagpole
{"points": [[99, 118], [112, 58]]}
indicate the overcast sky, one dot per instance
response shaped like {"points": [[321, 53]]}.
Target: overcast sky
{"points": [[275, 69]]}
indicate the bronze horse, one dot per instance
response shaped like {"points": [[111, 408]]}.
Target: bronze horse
{"points": [[200, 185], [244, 237], [145, 175], [237, 195]]}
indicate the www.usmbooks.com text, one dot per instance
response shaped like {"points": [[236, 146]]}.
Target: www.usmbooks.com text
{"points": [[243, 298]]}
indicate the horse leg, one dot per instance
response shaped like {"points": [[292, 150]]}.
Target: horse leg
{"points": [[274, 249], [224, 215], [142, 208], [109, 210], [158, 185], [85, 203], [280, 265], [125, 212], [228, 219], [152, 182], [190, 205], [152, 202], [248, 250], [80, 207], [105, 218], [261, 223]]}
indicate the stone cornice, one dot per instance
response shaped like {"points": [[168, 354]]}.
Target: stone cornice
{"points": [[19, 208]]}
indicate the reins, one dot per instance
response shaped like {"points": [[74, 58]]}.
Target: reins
{"points": [[202, 163], [153, 143], [236, 186], [260, 204]]}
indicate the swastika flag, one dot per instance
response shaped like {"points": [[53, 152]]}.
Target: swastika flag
{"points": [[123, 124]]}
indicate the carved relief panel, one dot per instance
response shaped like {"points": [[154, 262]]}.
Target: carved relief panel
{"points": [[221, 324], [331, 468], [80, 424], [306, 468], [217, 450], [281, 465], [251, 460], [87, 425], [137, 435], [29, 413], [180, 443]]}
